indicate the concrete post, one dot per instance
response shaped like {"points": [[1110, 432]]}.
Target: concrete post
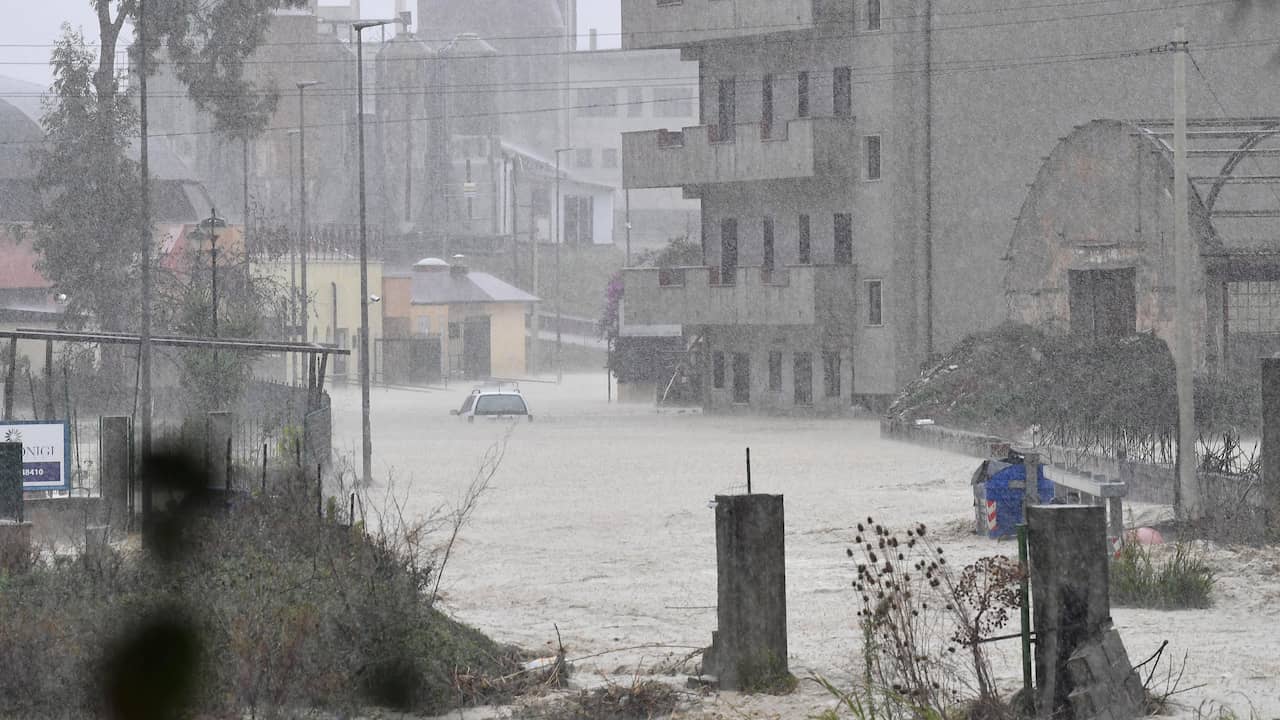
{"points": [[1070, 586], [115, 469], [217, 435], [749, 648], [15, 535], [1031, 473], [1271, 440], [11, 481]]}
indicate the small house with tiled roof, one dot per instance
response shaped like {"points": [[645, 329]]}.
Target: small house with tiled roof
{"points": [[471, 323]]}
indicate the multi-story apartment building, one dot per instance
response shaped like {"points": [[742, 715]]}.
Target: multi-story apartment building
{"points": [[861, 164], [792, 308]]}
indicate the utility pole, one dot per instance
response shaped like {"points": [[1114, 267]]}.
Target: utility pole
{"points": [[366, 449], [1183, 258], [628, 223], [244, 189], [305, 319], [144, 339], [293, 272], [558, 239]]}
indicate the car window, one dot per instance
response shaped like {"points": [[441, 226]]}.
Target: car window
{"points": [[500, 405], [466, 404]]}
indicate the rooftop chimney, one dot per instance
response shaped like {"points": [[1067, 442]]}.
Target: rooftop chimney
{"points": [[593, 40], [458, 266]]}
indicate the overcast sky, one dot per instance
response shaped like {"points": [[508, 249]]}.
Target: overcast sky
{"points": [[26, 35]]}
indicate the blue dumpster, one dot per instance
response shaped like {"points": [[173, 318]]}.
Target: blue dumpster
{"points": [[998, 487]]}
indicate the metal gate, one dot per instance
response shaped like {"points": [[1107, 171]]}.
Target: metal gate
{"points": [[411, 360]]}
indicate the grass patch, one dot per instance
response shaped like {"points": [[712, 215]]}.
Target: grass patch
{"points": [[1177, 578], [765, 673]]}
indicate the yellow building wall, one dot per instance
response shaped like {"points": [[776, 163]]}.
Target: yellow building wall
{"points": [[506, 333], [507, 337], [333, 305]]}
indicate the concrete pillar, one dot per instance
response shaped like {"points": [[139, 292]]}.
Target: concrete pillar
{"points": [[1069, 590], [749, 647], [11, 481], [115, 469], [217, 435], [1271, 440], [15, 535]]}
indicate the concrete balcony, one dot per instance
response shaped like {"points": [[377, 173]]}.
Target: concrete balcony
{"points": [[648, 24], [791, 295], [700, 155]]}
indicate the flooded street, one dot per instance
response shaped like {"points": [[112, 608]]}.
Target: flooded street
{"points": [[598, 522]]}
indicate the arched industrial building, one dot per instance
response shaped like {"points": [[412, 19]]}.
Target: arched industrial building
{"points": [[1092, 248]]}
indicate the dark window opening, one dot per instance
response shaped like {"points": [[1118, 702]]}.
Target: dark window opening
{"points": [[842, 93], [741, 378], [577, 224], [843, 239], [727, 109], [802, 94], [767, 230], [802, 378], [873, 14], [766, 107], [728, 251], [831, 373], [875, 303], [803, 249], [775, 370], [717, 370], [873, 157]]}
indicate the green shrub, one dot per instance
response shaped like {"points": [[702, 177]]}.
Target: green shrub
{"points": [[1180, 579]]}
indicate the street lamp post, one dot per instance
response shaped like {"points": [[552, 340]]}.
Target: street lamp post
{"points": [[291, 333], [212, 223], [366, 448], [302, 204], [559, 239]]}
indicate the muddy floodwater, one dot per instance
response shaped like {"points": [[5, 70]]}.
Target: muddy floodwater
{"points": [[598, 521]]}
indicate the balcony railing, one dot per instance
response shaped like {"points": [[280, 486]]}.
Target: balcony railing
{"points": [[779, 295], [703, 154]]}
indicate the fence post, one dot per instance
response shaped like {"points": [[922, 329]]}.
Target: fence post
{"points": [[114, 451], [1271, 440], [751, 608], [217, 436], [15, 532], [1069, 592]]}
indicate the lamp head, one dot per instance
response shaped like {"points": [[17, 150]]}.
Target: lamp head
{"points": [[364, 24], [306, 83]]}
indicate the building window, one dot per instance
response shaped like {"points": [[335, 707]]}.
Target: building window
{"points": [[802, 378], [455, 330], [831, 373], [842, 93], [875, 300], [577, 224], [726, 106], [802, 94], [873, 14], [871, 144], [741, 378], [582, 157], [673, 102], [767, 231], [766, 106], [717, 370], [775, 370], [843, 239], [728, 251], [609, 158], [635, 102], [803, 248], [597, 102]]}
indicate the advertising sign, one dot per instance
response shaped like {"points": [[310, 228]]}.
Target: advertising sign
{"points": [[46, 447]]}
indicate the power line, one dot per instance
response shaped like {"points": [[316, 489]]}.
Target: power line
{"points": [[964, 68], [767, 40], [780, 27]]}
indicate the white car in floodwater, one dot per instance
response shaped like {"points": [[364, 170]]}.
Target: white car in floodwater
{"points": [[502, 401]]}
